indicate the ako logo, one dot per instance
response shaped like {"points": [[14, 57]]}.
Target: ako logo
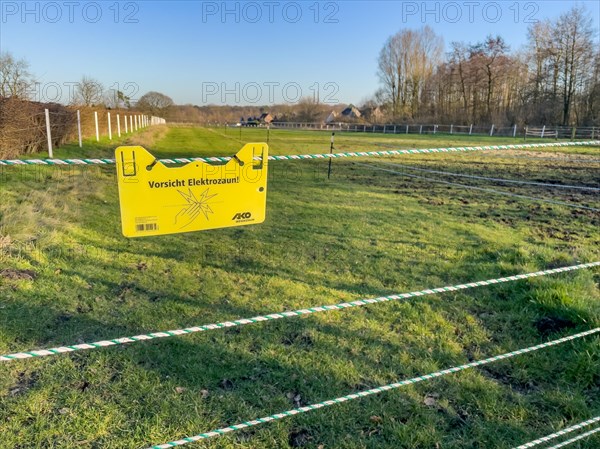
{"points": [[242, 216]]}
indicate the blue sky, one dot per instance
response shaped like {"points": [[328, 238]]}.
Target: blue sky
{"points": [[242, 52]]}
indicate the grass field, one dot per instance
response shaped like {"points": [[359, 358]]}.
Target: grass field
{"points": [[67, 276]]}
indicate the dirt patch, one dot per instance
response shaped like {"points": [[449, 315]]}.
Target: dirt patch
{"points": [[295, 338], [514, 384], [550, 324], [14, 274], [25, 381], [226, 385], [299, 438]]}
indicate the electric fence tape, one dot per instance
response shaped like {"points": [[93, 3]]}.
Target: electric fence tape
{"points": [[559, 433], [370, 392], [304, 156], [279, 315], [574, 439]]}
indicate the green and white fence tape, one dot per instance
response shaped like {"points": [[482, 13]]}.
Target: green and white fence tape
{"points": [[279, 315], [365, 393], [559, 433], [575, 439], [305, 156]]}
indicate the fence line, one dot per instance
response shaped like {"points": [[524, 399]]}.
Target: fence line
{"points": [[559, 433], [482, 189], [103, 161], [370, 392], [543, 131], [46, 127], [280, 315]]}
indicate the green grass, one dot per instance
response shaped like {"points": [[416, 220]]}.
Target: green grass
{"points": [[363, 233]]}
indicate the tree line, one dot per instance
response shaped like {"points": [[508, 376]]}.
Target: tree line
{"points": [[554, 80], [18, 83]]}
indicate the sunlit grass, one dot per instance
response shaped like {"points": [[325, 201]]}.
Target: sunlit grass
{"points": [[363, 233]]}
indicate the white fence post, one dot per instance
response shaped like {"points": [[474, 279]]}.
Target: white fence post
{"points": [[406, 129], [49, 133], [492, 130], [118, 125], [109, 127], [126, 127], [131, 123], [97, 131], [471, 129], [421, 129], [543, 131], [79, 127], [451, 126], [515, 131], [135, 121]]}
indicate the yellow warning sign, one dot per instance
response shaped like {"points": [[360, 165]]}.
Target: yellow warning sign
{"points": [[156, 199]]}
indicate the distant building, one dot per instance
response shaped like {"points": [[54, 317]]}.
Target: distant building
{"points": [[331, 117], [265, 118], [372, 114], [252, 122], [351, 112]]}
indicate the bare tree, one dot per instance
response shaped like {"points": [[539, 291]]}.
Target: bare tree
{"points": [[116, 99], [573, 35], [406, 61], [389, 67], [458, 62], [561, 60], [592, 93], [308, 110], [15, 78], [154, 103], [88, 92], [490, 56]]}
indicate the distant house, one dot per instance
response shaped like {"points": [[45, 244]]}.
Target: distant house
{"points": [[372, 114], [351, 112], [331, 117], [265, 118], [251, 122]]}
